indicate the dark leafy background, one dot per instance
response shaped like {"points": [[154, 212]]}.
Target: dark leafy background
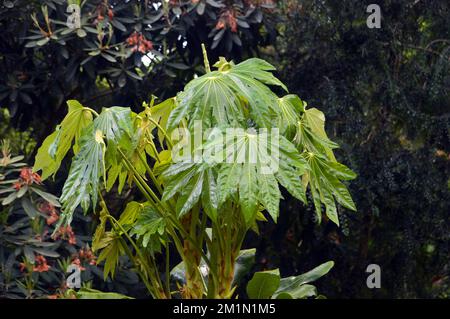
{"points": [[385, 93]]}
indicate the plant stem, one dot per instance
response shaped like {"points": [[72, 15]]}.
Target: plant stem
{"points": [[150, 173], [163, 131], [92, 111], [168, 269], [117, 226], [143, 276], [173, 222], [205, 59]]}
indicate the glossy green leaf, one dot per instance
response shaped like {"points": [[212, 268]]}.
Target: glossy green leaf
{"points": [[88, 293], [29, 208], [302, 292], [223, 98], [263, 284], [9, 199], [112, 250], [149, 228], [114, 122], [82, 184], [56, 145], [326, 187], [98, 239], [269, 195], [254, 169], [190, 194], [295, 287], [131, 213], [243, 265], [210, 198], [248, 191], [291, 107], [311, 134]]}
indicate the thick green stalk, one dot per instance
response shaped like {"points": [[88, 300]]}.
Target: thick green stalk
{"points": [[172, 221], [229, 234], [155, 290], [194, 281], [168, 270], [150, 173], [150, 287]]}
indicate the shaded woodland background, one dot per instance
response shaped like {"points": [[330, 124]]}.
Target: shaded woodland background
{"points": [[385, 92]]}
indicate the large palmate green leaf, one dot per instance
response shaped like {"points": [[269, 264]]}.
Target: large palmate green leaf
{"points": [[259, 163], [114, 122], [248, 167], [206, 98], [258, 143], [56, 145], [324, 179], [90, 163], [324, 173], [193, 182], [87, 168], [229, 96]]}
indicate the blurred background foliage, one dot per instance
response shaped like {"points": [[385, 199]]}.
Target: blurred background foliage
{"points": [[385, 93], [121, 52], [33, 263]]}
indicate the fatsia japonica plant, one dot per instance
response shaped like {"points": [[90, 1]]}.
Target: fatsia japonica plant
{"points": [[202, 192]]}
